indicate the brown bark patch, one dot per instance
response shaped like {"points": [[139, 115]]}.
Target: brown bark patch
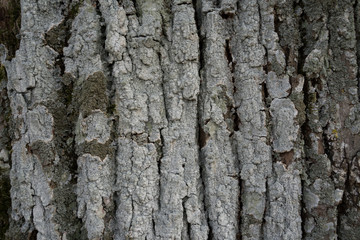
{"points": [[287, 157]]}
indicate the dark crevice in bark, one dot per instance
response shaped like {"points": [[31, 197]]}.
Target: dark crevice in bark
{"points": [[267, 205], [267, 66], [227, 14], [160, 157], [217, 3], [132, 213], [327, 145], [260, 24], [265, 94], [10, 21], [228, 54], [160, 146], [231, 113], [188, 225], [198, 22], [236, 120], [153, 223], [5, 147], [304, 128], [267, 101], [240, 219], [357, 36], [344, 205], [305, 131], [233, 81], [163, 89], [211, 234], [302, 211], [33, 235], [137, 10], [301, 60], [104, 53], [184, 3], [202, 136], [277, 23], [5, 202]]}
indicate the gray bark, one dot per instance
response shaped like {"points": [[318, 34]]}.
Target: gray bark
{"points": [[180, 119]]}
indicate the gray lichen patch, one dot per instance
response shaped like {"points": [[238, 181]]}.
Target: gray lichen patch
{"points": [[284, 209], [94, 191], [39, 124], [93, 94], [278, 86], [283, 112], [95, 127]]}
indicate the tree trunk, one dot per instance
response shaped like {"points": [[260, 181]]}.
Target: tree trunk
{"points": [[159, 119]]}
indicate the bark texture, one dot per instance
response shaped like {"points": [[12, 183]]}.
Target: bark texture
{"points": [[179, 119]]}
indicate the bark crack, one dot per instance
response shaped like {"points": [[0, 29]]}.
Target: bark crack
{"points": [[357, 37], [201, 135]]}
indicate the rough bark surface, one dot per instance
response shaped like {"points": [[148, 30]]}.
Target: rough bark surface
{"points": [[179, 119]]}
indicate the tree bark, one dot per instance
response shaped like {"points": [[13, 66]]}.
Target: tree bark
{"points": [[180, 119]]}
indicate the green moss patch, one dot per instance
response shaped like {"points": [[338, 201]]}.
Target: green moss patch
{"points": [[96, 149], [93, 94]]}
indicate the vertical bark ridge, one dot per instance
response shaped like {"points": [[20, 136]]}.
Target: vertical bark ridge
{"points": [[252, 138], [139, 105], [217, 120], [182, 210], [95, 162], [285, 101]]}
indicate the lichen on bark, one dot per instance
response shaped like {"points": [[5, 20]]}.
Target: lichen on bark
{"points": [[159, 119]]}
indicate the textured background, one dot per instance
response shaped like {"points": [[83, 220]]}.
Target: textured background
{"points": [[159, 119]]}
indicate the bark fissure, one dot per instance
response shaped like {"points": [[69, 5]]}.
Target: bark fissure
{"points": [[5, 157], [10, 21], [356, 8]]}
